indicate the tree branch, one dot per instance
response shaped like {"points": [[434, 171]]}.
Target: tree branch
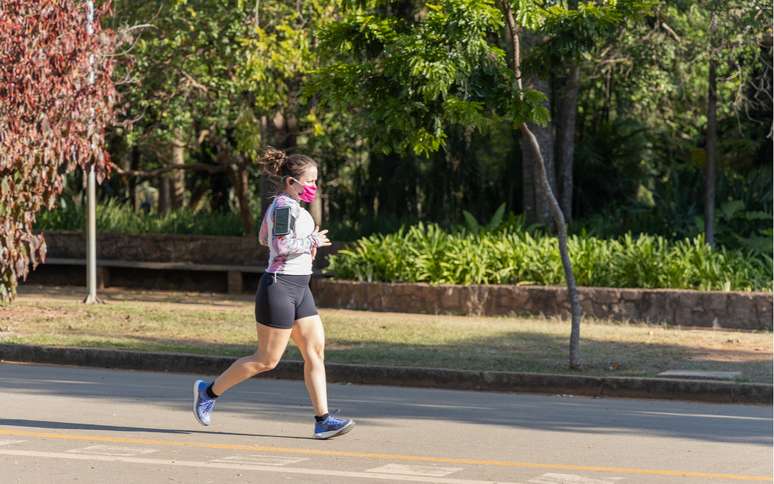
{"points": [[513, 29], [671, 32]]}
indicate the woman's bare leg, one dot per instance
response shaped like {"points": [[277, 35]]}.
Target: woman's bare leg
{"points": [[272, 343], [309, 335]]}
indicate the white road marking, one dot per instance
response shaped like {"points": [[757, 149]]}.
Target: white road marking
{"points": [[9, 442], [704, 415], [552, 478], [223, 465], [112, 450], [408, 404], [265, 460], [414, 470]]}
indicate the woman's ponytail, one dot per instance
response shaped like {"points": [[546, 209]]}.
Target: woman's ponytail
{"points": [[278, 166], [271, 163]]}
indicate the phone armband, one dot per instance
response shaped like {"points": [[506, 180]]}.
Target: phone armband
{"points": [[281, 222]]}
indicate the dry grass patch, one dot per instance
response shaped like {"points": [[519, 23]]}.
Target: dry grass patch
{"points": [[219, 324]]}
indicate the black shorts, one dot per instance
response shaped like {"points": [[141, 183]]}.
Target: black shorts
{"points": [[281, 299]]}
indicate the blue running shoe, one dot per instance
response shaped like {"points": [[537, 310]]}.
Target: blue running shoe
{"points": [[332, 426], [202, 404]]}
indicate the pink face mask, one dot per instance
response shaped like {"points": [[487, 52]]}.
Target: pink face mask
{"points": [[308, 194]]}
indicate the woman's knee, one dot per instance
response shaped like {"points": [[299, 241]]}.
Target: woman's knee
{"points": [[315, 354], [261, 362]]}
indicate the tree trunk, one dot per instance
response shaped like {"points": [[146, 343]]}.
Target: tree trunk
{"points": [[134, 163], [240, 181], [531, 141], [568, 110], [177, 177], [267, 189], [536, 206], [528, 184], [163, 207], [315, 208], [561, 229], [197, 195], [535, 203], [710, 165]]}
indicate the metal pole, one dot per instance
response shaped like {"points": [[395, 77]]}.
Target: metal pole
{"points": [[91, 241], [91, 217]]}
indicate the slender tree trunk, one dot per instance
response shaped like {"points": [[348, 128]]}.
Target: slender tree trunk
{"points": [[561, 229], [164, 203], [241, 183], [528, 184], [568, 110], [177, 177], [126, 164], [710, 165], [268, 190], [530, 139], [197, 195], [316, 208], [134, 163], [608, 97]]}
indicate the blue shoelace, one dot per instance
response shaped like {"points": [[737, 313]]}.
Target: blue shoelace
{"points": [[331, 420], [206, 404]]}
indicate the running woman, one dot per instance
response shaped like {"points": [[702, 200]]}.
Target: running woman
{"points": [[284, 306]]}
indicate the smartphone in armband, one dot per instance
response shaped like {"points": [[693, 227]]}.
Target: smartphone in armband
{"points": [[282, 222]]}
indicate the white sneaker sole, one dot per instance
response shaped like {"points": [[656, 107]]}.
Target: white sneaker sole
{"points": [[195, 398], [334, 433]]}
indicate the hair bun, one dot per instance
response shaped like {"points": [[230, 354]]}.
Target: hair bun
{"points": [[272, 161]]}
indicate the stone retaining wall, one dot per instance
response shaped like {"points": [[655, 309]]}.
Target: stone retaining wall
{"points": [[733, 310]]}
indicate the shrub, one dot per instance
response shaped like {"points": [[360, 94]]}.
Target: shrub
{"points": [[119, 218], [426, 253]]}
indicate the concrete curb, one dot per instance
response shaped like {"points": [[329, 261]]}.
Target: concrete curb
{"points": [[661, 388]]}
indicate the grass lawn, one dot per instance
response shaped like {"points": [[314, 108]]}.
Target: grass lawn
{"points": [[219, 324]]}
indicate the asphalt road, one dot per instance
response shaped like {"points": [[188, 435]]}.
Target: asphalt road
{"points": [[64, 424]]}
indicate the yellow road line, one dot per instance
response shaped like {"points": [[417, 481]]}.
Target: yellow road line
{"points": [[381, 456]]}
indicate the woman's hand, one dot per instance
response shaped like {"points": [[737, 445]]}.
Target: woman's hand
{"points": [[322, 238]]}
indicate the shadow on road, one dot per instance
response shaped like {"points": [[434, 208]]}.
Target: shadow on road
{"points": [[45, 424]]}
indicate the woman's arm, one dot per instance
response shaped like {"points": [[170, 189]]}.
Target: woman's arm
{"points": [[263, 235], [289, 244], [284, 238]]}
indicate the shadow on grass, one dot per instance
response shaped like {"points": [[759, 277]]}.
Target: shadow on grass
{"points": [[538, 352], [122, 295]]}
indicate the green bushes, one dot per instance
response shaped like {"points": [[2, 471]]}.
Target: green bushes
{"points": [[117, 218], [426, 253]]}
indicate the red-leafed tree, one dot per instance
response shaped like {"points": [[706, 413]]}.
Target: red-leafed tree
{"points": [[52, 118]]}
